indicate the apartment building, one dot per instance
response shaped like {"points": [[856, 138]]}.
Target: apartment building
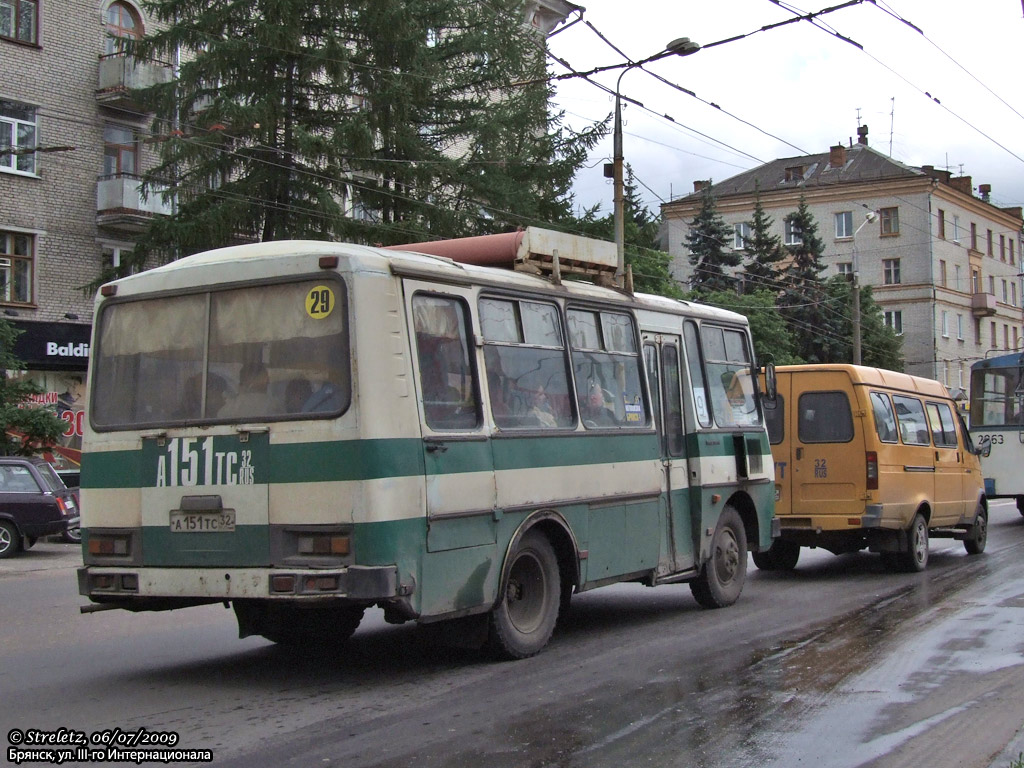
{"points": [[73, 143], [943, 261]]}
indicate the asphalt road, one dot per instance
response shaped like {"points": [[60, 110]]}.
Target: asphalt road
{"points": [[835, 665]]}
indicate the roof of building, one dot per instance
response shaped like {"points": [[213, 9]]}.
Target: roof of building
{"points": [[858, 163]]}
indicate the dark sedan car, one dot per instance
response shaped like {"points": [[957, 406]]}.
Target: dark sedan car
{"points": [[34, 502]]}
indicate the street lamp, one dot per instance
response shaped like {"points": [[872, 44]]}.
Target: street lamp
{"points": [[682, 46], [869, 217]]}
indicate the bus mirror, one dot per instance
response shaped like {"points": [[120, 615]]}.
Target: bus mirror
{"points": [[771, 384]]}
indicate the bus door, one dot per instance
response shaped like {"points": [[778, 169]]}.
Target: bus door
{"points": [[662, 359], [457, 459]]}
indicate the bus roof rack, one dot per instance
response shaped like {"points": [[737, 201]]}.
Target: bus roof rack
{"points": [[535, 250]]}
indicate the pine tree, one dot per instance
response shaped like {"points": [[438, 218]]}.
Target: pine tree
{"points": [[804, 300], [709, 241], [288, 115], [26, 429], [765, 251]]}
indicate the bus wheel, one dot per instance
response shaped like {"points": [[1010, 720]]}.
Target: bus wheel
{"points": [[781, 556], [721, 578], [978, 536], [10, 539], [523, 620], [915, 557]]}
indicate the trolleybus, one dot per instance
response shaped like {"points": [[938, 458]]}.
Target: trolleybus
{"points": [[997, 418], [303, 430]]}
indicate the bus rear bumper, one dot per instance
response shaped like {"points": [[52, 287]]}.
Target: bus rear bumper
{"points": [[200, 585]]}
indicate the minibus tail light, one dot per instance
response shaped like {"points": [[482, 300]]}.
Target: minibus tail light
{"points": [[872, 460]]}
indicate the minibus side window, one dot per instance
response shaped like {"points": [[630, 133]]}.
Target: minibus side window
{"points": [[825, 417], [885, 419], [943, 427], [912, 422], [446, 370], [524, 355], [775, 419]]}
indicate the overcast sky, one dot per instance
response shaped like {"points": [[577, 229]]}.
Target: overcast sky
{"points": [[804, 86]]}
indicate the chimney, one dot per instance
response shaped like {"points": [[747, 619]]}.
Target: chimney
{"points": [[962, 184], [837, 156], [984, 190], [862, 135], [700, 185]]}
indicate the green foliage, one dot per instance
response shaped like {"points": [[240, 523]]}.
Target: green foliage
{"points": [[772, 339], [709, 241], [765, 251], [804, 302], [26, 430], [880, 346], [287, 115]]}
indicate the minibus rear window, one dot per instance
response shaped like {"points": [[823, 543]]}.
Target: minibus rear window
{"points": [[825, 417]]}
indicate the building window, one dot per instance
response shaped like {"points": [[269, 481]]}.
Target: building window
{"points": [[1013, 294], [793, 236], [1006, 336], [942, 273], [891, 271], [975, 281], [123, 23], [991, 252], [960, 327], [977, 332], [17, 253], [1006, 296], [1015, 337], [974, 236], [844, 224], [120, 150], [956, 228], [1002, 247], [794, 173], [741, 234], [17, 137], [992, 285], [19, 20], [895, 321], [957, 285], [1012, 256], [845, 267], [945, 324], [890, 221], [993, 334], [942, 224]]}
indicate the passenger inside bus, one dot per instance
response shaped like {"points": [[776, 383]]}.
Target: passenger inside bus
{"points": [[251, 399]]}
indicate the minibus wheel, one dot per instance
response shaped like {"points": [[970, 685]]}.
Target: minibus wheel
{"points": [[781, 556], [915, 557], [524, 618], [722, 576], [978, 536]]}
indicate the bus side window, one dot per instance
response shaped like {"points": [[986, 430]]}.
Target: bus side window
{"points": [[446, 371]]}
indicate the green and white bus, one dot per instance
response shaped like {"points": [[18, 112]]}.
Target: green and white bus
{"points": [[303, 430]]}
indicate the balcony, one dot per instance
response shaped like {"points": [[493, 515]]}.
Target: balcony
{"points": [[120, 205], [121, 75], [983, 304]]}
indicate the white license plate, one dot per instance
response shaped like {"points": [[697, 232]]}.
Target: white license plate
{"points": [[202, 522]]}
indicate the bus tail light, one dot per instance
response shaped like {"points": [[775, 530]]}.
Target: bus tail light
{"points": [[100, 544], [872, 477], [323, 544]]}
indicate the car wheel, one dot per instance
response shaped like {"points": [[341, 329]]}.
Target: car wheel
{"points": [[781, 556], [915, 557], [524, 618], [72, 535], [722, 576], [10, 539], [978, 537]]}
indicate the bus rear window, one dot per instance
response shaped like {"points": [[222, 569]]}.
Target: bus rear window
{"points": [[260, 353]]}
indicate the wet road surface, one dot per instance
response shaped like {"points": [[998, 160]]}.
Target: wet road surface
{"points": [[836, 664]]}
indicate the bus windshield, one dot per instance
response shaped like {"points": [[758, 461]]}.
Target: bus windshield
{"points": [[258, 353], [996, 397]]}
